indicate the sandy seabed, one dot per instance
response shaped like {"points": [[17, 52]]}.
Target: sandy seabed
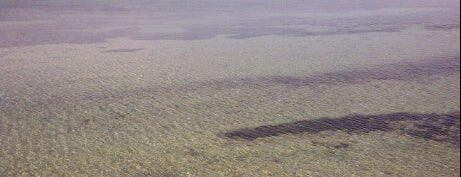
{"points": [[234, 107]]}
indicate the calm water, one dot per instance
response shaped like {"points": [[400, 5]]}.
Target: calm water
{"points": [[229, 88]]}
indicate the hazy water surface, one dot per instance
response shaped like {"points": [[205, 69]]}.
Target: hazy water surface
{"points": [[229, 88]]}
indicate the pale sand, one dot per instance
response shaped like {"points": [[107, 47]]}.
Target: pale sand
{"points": [[126, 107]]}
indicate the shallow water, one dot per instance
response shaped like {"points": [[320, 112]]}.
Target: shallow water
{"points": [[229, 88]]}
